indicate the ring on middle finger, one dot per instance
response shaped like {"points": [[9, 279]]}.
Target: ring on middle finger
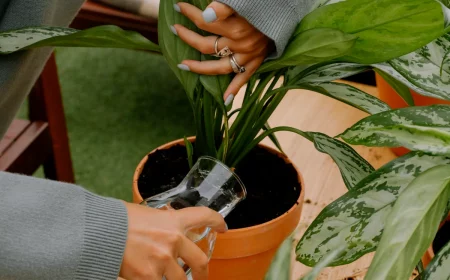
{"points": [[223, 52]]}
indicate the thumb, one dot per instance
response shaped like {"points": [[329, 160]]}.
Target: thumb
{"points": [[217, 11]]}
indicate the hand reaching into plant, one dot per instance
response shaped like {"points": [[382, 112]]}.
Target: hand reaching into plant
{"points": [[235, 34], [157, 238]]}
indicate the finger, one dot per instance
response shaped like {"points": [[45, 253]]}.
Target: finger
{"points": [[241, 79], [199, 217], [195, 258], [174, 271], [217, 11], [214, 67]]}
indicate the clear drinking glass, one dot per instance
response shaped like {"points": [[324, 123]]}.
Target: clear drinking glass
{"points": [[209, 183]]}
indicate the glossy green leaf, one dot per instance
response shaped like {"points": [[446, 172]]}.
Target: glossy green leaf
{"points": [[353, 97], [398, 86], [411, 226], [421, 69], [273, 138], [352, 166], [314, 273], [357, 218], [100, 37], [416, 128], [173, 48], [312, 46], [386, 29], [280, 269], [439, 267]]}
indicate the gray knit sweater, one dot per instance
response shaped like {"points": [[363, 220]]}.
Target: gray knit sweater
{"points": [[51, 230]]}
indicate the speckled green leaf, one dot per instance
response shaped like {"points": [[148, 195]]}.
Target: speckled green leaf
{"points": [[101, 37], [439, 267], [400, 88], [357, 218], [280, 269], [353, 97], [353, 167], [314, 273], [326, 73], [416, 128], [421, 70], [173, 48], [386, 29], [312, 46], [411, 225]]}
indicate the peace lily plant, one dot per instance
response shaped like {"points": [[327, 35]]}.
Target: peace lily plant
{"points": [[395, 210]]}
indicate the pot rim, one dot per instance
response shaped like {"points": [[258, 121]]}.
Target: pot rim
{"points": [[297, 204]]}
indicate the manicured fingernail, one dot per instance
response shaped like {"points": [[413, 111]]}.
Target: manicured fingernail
{"points": [[174, 31], [229, 99], [184, 67], [176, 8], [209, 15]]}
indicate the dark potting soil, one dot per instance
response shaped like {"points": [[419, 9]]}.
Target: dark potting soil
{"points": [[442, 237], [272, 185]]}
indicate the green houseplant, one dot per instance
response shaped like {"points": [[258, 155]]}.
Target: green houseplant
{"points": [[337, 39]]}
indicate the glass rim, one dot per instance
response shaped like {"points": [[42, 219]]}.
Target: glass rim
{"points": [[241, 184]]}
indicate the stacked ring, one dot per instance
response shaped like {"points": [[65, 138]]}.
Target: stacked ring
{"points": [[223, 52], [235, 65]]}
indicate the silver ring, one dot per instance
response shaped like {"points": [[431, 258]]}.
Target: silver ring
{"points": [[223, 52], [235, 65]]}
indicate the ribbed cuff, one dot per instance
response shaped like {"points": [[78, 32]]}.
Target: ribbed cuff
{"points": [[105, 235], [277, 19]]}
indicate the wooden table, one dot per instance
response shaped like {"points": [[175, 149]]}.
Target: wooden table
{"points": [[311, 111]]}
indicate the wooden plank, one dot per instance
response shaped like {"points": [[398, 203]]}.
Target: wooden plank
{"points": [[15, 129], [310, 111]]}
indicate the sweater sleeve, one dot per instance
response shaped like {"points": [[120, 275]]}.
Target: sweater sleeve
{"points": [[277, 19], [51, 230]]}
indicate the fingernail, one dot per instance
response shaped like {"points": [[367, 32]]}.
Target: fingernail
{"points": [[174, 31], [209, 15], [184, 67], [176, 8], [229, 99]]}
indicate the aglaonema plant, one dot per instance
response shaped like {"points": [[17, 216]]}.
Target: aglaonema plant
{"points": [[403, 40]]}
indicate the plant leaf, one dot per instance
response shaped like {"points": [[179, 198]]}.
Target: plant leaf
{"points": [[439, 267], [190, 151], [352, 96], [398, 86], [312, 46], [421, 69], [280, 269], [357, 218], [416, 128], [101, 37], [314, 273], [411, 225], [352, 166], [320, 73], [386, 29], [273, 138]]}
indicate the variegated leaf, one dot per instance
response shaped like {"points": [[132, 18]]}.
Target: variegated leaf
{"points": [[280, 269], [325, 73], [439, 268], [358, 217], [354, 97], [416, 128], [352, 166], [385, 29], [411, 225], [400, 88], [101, 36], [421, 70], [314, 273]]}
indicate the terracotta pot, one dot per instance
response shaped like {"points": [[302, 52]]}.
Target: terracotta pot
{"points": [[390, 97], [244, 254]]}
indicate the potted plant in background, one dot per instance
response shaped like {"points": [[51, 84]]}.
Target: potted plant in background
{"points": [[334, 41]]}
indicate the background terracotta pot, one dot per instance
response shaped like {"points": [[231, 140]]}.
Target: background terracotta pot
{"points": [[244, 254], [390, 97]]}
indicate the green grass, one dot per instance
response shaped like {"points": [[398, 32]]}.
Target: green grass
{"points": [[119, 105]]}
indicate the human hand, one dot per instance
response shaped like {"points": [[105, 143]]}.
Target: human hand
{"points": [[249, 45], [156, 238]]}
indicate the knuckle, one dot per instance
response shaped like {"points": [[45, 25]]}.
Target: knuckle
{"points": [[163, 256], [238, 33]]}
